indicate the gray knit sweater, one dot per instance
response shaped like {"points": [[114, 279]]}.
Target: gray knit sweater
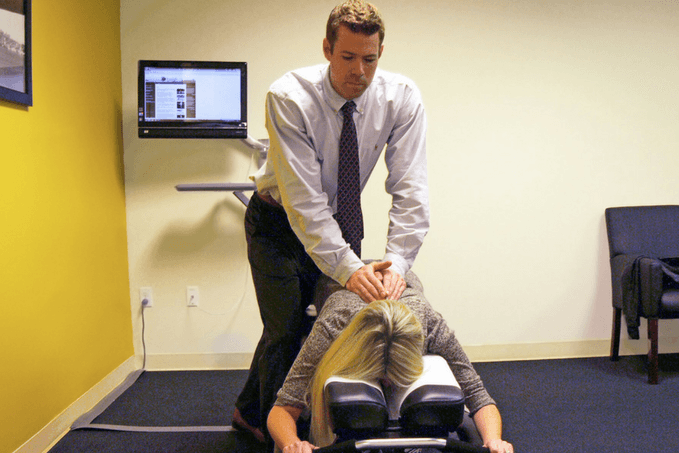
{"points": [[340, 307]]}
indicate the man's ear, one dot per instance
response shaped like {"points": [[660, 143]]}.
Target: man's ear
{"points": [[381, 50], [327, 50]]}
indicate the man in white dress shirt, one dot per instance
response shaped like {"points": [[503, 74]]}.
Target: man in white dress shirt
{"points": [[291, 232]]}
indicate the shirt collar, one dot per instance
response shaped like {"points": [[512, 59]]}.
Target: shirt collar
{"points": [[334, 100]]}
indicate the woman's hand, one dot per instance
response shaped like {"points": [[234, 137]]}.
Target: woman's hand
{"points": [[282, 424], [301, 446], [499, 446], [488, 422]]}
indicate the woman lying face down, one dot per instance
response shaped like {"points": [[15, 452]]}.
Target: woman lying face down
{"points": [[385, 341]]}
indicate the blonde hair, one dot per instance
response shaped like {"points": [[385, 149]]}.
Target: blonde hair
{"points": [[383, 341], [359, 16]]}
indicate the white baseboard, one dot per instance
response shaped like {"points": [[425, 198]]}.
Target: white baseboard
{"points": [[561, 350], [476, 353], [224, 361], [54, 430]]}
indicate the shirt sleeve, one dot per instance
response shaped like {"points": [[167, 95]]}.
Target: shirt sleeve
{"points": [[298, 178], [406, 162]]}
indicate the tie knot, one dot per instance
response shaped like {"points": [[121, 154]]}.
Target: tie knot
{"points": [[348, 108]]}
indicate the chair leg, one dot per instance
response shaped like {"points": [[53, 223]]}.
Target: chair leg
{"points": [[615, 334], [653, 351]]}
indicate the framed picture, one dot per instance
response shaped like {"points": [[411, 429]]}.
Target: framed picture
{"points": [[16, 83]]}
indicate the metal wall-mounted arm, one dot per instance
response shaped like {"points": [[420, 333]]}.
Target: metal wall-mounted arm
{"points": [[236, 187]]}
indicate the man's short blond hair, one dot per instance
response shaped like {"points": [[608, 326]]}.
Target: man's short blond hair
{"points": [[359, 16]]}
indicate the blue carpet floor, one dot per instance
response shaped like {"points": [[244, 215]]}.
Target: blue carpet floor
{"points": [[571, 405]]}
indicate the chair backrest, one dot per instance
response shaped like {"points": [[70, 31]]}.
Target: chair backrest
{"points": [[645, 230]]}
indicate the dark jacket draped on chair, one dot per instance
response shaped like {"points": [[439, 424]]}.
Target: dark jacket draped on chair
{"points": [[638, 278]]}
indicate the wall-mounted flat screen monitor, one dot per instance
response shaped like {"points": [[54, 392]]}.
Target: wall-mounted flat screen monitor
{"points": [[192, 99]]}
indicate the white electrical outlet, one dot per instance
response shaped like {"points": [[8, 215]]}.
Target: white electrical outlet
{"points": [[192, 296], [146, 293]]}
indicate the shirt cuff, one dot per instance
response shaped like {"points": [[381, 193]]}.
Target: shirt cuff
{"points": [[398, 263], [346, 268]]}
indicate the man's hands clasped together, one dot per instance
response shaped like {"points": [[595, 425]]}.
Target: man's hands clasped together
{"points": [[375, 281]]}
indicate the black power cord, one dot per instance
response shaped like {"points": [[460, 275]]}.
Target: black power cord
{"points": [[144, 304]]}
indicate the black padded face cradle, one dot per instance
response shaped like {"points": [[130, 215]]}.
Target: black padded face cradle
{"points": [[432, 410], [357, 409], [433, 405]]}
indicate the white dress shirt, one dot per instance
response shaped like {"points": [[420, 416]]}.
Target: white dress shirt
{"points": [[304, 122]]}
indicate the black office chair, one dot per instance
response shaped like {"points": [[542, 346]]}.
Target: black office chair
{"points": [[644, 255]]}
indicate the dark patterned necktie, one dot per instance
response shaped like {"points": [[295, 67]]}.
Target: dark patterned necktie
{"points": [[349, 215]]}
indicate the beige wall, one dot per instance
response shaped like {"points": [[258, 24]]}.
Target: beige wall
{"points": [[541, 115], [65, 321]]}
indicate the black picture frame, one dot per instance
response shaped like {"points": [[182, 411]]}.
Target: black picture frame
{"points": [[16, 80]]}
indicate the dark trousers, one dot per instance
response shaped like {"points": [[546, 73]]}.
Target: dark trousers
{"points": [[284, 277]]}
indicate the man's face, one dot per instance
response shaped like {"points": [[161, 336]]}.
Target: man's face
{"points": [[353, 61]]}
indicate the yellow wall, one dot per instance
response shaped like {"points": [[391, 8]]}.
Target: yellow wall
{"points": [[65, 321]]}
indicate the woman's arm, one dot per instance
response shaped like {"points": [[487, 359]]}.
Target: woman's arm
{"points": [[282, 425], [489, 424]]}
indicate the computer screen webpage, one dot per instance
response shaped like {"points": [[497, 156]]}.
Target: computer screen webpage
{"points": [[192, 94]]}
